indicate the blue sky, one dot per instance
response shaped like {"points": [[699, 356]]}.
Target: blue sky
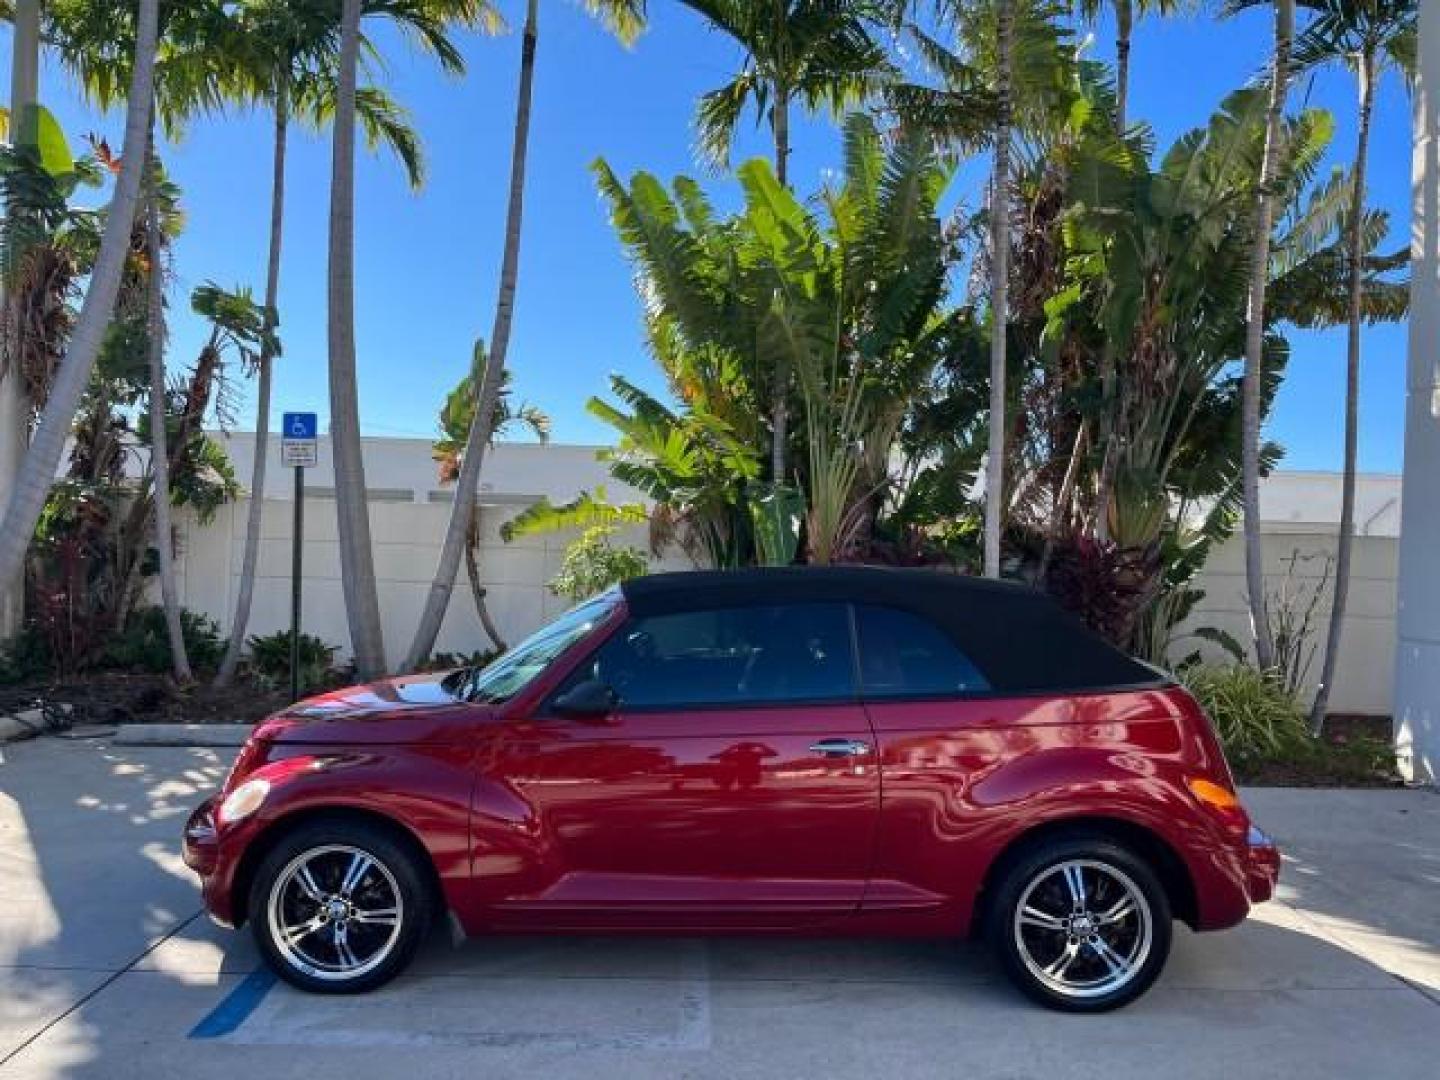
{"points": [[427, 262]]}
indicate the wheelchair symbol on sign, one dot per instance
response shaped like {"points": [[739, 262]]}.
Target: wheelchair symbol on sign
{"points": [[300, 426]]}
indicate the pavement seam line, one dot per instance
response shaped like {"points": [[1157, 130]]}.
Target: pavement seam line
{"points": [[85, 999]]}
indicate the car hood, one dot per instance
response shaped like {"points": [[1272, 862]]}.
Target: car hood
{"points": [[413, 708]]}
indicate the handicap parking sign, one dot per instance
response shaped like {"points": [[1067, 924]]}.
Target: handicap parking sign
{"points": [[299, 425], [297, 439]]}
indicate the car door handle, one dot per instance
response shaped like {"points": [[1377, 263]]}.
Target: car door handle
{"points": [[840, 748]]}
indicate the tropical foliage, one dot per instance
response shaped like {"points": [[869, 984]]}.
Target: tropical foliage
{"points": [[593, 563], [270, 660], [1058, 375], [1255, 716], [853, 295], [457, 419]]}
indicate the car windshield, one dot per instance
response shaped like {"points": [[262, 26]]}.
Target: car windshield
{"points": [[507, 676]]}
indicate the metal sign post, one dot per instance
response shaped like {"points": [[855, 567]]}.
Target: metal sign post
{"points": [[298, 450]]}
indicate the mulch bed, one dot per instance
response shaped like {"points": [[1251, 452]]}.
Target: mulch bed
{"points": [[1353, 751], [114, 697]]}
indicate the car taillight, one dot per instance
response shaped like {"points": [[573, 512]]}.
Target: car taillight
{"points": [[1222, 802]]}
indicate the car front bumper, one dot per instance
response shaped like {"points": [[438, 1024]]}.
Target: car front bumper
{"points": [[201, 850]]}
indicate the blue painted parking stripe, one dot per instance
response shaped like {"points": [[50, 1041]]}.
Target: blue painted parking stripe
{"points": [[236, 1007]]}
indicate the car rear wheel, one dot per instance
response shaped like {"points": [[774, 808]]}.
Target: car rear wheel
{"points": [[1081, 925], [339, 907]]}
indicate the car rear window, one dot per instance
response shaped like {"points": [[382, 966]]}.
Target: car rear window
{"points": [[905, 655]]}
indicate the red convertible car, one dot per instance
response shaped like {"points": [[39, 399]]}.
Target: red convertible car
{"points": [[791, 751]]}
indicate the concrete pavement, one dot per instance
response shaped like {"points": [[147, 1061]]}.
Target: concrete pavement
{"points": [[107, 969]]}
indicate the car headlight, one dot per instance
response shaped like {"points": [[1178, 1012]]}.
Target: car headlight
{"points": [[244, 800]]}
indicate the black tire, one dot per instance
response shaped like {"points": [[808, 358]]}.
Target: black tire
{"points": [[1110, 963], [328, 851]]}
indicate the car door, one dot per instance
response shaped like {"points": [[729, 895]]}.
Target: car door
{"points": [[732, 784], [937, 729]]}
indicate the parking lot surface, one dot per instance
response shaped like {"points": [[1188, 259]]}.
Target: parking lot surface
{"points": [[108, 969]]}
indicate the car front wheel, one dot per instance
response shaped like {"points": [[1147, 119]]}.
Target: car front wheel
{"points": [[1081, 925], [339, 908]]}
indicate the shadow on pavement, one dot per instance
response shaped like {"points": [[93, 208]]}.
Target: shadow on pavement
{"points": [[92, 895]]}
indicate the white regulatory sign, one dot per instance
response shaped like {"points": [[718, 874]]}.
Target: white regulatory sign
{"points": [[299, 453]]}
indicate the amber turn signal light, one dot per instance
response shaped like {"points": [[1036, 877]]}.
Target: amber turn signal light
{"points": [[1212, 794]]}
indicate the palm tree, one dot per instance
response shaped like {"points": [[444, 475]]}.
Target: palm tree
{"points": [[624, 19], [13, 401], [14, 406], [1014, 70], [999, 292], [357, 564], [1367, 36], [159, 455], [41, 459], [818, 53], [289, 60], [193, 74], [457, 417], [1252, 389], [1126, 12]]}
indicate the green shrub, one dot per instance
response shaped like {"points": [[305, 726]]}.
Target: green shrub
{"points": [[26, 657], [144, 644], [270, 660], [448, 661], [1256, 718], [592, 564]]}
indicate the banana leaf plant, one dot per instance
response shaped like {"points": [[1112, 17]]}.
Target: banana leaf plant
{"points": [[848, 291], [1149, 312]]}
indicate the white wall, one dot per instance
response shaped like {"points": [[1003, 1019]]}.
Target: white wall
{"points": [[1363, 675], [409, 509], [1301, 512], [408, 513]]}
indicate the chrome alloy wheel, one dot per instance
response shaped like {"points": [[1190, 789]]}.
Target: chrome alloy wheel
{"points": [[1083, 928], [335, 912]]}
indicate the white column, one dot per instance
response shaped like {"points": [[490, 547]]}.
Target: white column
{"points": [[23, 81], [1417, 656]]}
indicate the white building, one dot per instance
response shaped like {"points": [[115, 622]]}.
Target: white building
{"points": [[409, 508]]}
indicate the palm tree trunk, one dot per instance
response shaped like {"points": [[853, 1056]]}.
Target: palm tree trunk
{"points": [[1060, 516], [251, 556], [1124, 25], [999, 299], [159, 455], [479, 435], [780, 117], [38, 470], [14, 404], [1106, 438], [477, 588], [1255, 334], [357, 560], [1344, 548], [780, 406]]}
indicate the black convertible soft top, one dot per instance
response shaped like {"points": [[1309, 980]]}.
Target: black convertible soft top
{"points": [[1019, 638]]}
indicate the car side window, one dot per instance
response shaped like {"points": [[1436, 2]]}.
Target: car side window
{"points": [[905, 655], [729, 656]]}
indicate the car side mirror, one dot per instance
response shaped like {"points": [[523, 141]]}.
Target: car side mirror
{"points": [[590, 699]]}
